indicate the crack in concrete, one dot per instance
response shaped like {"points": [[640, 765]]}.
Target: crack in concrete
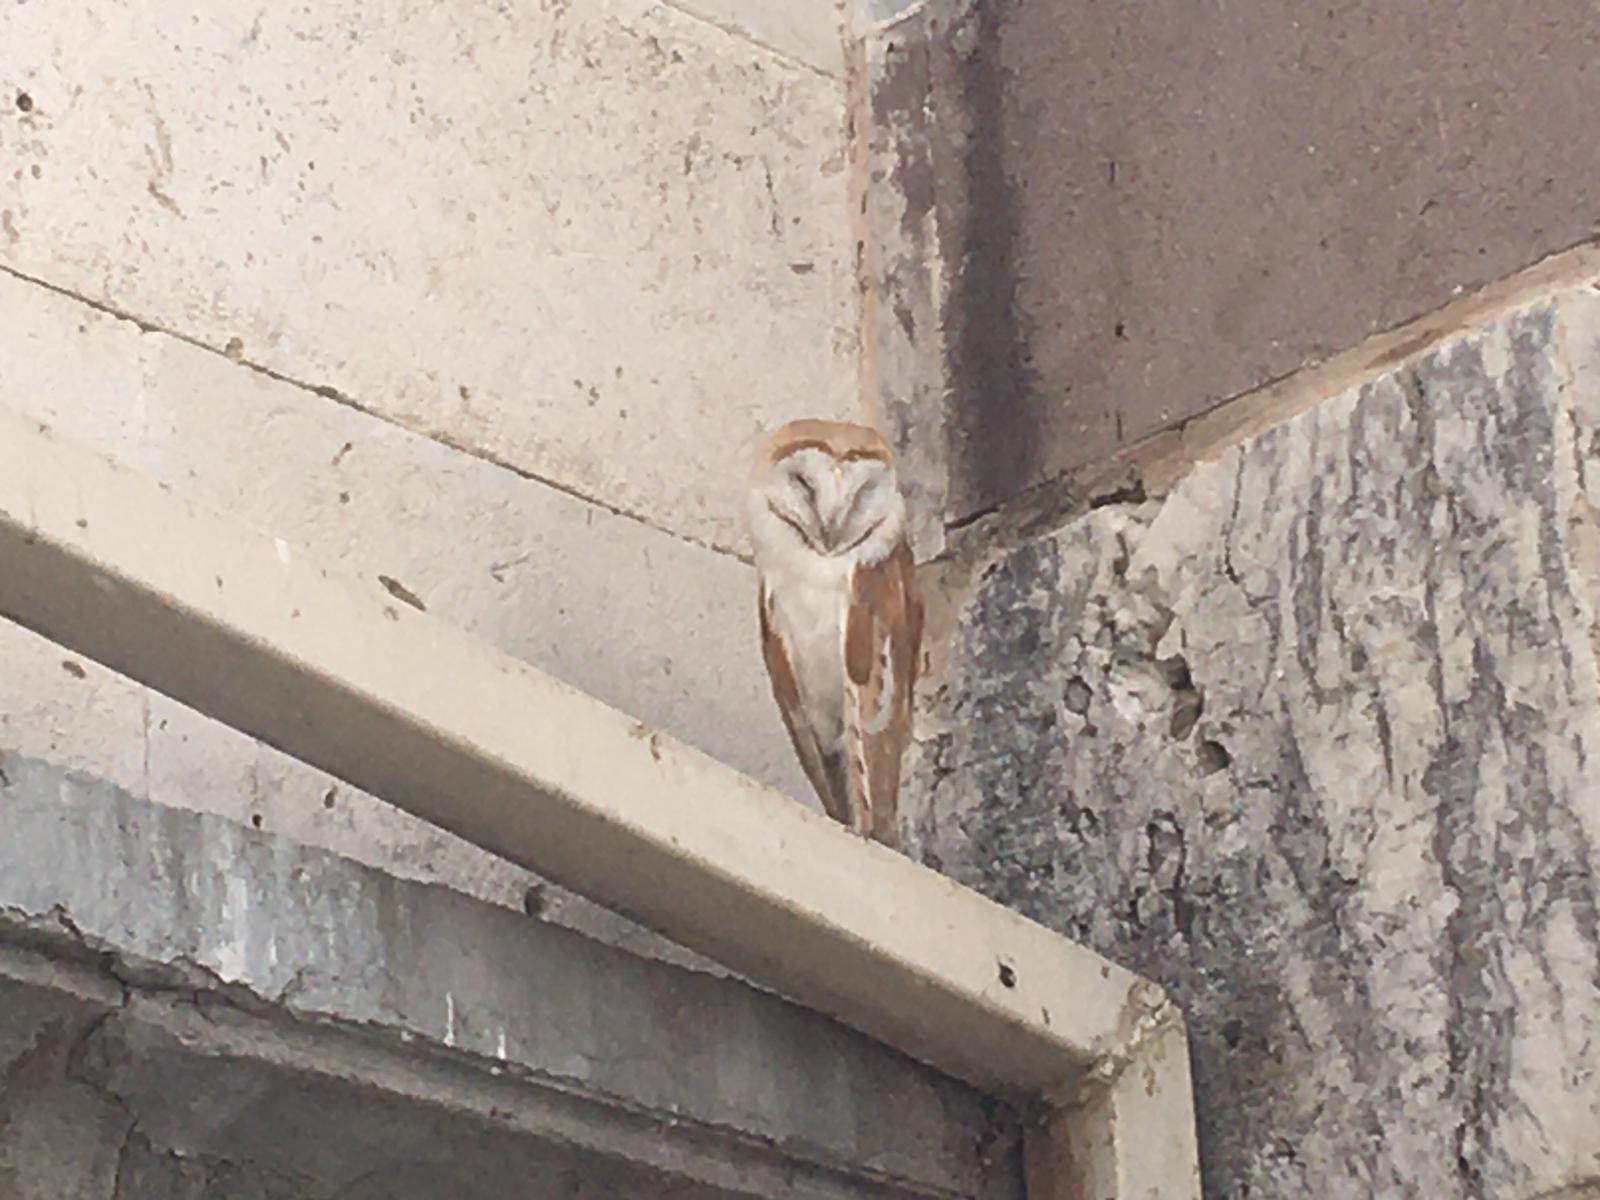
{"points": [[329, 392]]}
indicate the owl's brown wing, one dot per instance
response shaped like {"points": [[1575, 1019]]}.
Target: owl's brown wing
{"points": [[882, 641], [827, 775]]}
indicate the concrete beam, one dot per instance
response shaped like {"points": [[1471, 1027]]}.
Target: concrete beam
{"points": [[512, 561], [349, 678]]}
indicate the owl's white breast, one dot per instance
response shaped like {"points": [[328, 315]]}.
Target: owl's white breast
{"points": [[807, 594]]}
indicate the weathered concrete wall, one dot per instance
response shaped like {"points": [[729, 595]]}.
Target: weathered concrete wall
{"points": [[1137, 211], [572, 250], [647, 621], [192, 1008], [1314, 741], [486, 304], [605, 244]]}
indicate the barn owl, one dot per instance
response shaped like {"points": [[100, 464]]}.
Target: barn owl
{"points": [[841, 622]]}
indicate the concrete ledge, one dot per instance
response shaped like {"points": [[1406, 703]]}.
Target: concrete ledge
{"points": [[523, 566], [244, 997], [350, 679]]}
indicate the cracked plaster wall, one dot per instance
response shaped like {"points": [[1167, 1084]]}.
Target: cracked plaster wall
{"points": [[1314, 741]]}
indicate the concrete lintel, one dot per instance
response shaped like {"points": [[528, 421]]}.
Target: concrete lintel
{"points": [[350, 679], [1130, 1134], [259, 1000]]}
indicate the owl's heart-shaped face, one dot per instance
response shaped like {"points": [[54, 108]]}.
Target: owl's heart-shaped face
{"points": [[828, 489], [831, 504]]}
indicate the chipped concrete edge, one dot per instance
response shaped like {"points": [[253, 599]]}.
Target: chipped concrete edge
{"points": [[1128, 1128]]}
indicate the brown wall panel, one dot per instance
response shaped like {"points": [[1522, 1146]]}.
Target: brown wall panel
{"points": [[1172, 202]]}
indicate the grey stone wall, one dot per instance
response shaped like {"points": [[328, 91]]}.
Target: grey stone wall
{"points": [[1314, 741]]}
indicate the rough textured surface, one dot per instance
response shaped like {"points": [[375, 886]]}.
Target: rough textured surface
{"points": [[1313, 743], [276, 1007], [606, 243], [58, 1136], [1153, 208], [641, 619], [808, 31], [912, 162]]}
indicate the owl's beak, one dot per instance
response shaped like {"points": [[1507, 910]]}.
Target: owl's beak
{"points": [[830, 528], [833, 530]]}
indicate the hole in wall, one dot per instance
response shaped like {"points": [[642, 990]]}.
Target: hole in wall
{"points": [[533, 900], [1213, 757], [1188, 703]]}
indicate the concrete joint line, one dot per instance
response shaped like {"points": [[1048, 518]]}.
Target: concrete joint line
{"points": [[333, 394], [732, 29], [239, 626]]}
